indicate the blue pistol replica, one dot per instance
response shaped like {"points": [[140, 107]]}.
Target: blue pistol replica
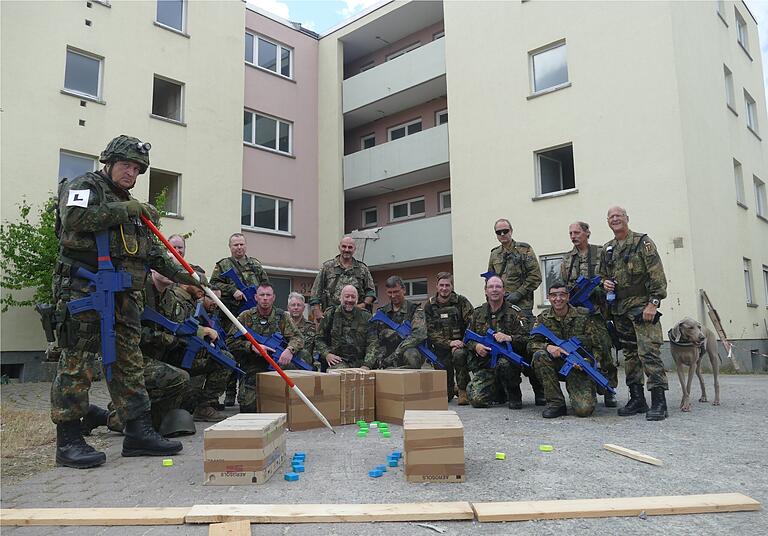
{"points": [[404, 331], [106, 281], [498, 349], [575, 358], [581, 291], [277, 342], [187, 332], [249, 292]]}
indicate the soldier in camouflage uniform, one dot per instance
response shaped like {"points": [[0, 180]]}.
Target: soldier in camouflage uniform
{"points": [[345, 338], [584, 259], [251, 273], [564, 321], [344, 269], [95, 202], [631, 269], [392, 351], [506, 320], [448, 315], [307, 329], [264, 319]]}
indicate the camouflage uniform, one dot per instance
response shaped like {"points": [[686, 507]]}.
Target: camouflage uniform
{"points": [[347, 335], [391, 350], [252, 363], [518, 267], [308, 332], [326, 290], [581, 389], [446, 322], [635, 266], [482, 388], [574, 264], [131, 248]]}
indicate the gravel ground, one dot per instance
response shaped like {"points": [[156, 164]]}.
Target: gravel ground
{"points": [[710, 450]]}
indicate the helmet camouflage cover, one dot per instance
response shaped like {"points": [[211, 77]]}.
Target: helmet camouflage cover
{"points": [[127, 148]]}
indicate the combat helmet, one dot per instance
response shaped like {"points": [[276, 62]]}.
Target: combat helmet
{"points": [[127, 148], [177, 422]]}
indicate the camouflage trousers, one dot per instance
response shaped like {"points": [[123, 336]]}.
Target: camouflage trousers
{"points": [[483, 389], [581, 390], [252, 364], [409, 359], [642, 351], [69, 391], [208, 380], [455, 363], [604, 354]]}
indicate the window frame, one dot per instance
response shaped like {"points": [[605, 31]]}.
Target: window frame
{"points": [[742, 32], [439, 113], [99, 82], [738, 179], [182, 98], [750, 106], [411, 215], [94, 160], [274, 230], [761, 203], [765, 284], [441, 202], [749, 289], [363, 212], [409, 283], [730, 89], [363, 140], [172, 214], [532, 68], [277, 120], [438, 35], [400, 52], [405, 126], [183, 29], [543, 260], [278, 60], [537, 163]]}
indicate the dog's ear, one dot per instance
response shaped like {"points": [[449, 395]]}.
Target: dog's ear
{"points": [[674, 333]]}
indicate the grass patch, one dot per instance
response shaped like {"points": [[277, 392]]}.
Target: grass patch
{"points": [[27, 438]]}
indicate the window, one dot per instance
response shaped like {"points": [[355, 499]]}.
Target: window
{"points": [[282, 287], [748, 281], [416, 288], [751, 111], [549, 68], [742, 35], [765, 283], [739, 182], [370, 217], [366, 142], [438, 35], [444, 201], [730, 99], [402, 51], [267, 132], [406, 129], [267, 213], [167, 99], [555, 170], [82, 74], [171, 13], [441, 117], [404, 210], [550, 267], [269, 55], [167, 186], [760, 202], [73, 165]]}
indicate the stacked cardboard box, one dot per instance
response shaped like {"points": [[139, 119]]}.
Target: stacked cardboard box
{"points": [[398, 390], [247, 448], [358, 394], [322, 389], [434, 446]]}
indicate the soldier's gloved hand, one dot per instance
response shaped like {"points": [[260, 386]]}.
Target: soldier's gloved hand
{"points": [[132, 207], [150, 212], [186, 279]]}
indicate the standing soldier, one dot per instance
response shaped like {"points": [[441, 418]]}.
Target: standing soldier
{"points": [[635, 284], [392, 351], [345, 339], [584, 259], [94, 203], [448, 315], [344, 269]]}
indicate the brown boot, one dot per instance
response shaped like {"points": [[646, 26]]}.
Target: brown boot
{"points": [[463, 400], [208, 414]]}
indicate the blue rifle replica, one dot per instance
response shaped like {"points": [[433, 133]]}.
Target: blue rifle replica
{"points": [[249, 292], [498, 349], [187, 332], [581, 291], [106, 281], [404, 331], [575, 358], [277, 342]]}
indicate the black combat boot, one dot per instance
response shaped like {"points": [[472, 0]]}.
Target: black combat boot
{"points": [[658, 411], [94, 417], [554, 411], [515, 398], [609, 399], [248, 408], [636, 404], [72, 450], [141, 439]]}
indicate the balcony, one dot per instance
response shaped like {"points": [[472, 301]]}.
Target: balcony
{"points": [[412, 243], [409, 161], [393, 86]]}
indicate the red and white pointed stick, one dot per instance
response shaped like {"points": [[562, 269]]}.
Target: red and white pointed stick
{"points": [[237, 323]]}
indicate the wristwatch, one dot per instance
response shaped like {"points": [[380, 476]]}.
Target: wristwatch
{"points": [[293, 351], [654, 301]]}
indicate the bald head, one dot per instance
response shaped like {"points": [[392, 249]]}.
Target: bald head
{"points": [[347, 249], [348, 297]]}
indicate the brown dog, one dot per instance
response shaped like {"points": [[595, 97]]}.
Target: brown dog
{"points": [[689, 341]]}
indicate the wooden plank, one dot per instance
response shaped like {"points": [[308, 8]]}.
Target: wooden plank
{"points": [[233, 528], [93, 516], [635, 455], [615, 507], [329, 513]]}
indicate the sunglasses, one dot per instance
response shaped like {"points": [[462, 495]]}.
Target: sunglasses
{"points": [[502, 231]]}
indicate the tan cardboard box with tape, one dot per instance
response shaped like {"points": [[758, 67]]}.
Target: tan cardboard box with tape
{"points": [[358, 394], [322, 389], [398, 390], [433, 442]]}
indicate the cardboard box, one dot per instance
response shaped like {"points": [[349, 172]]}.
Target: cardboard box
{"points": [[433, 446], [322, 389], [358, 394], [398, 390], [247, 448]]}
